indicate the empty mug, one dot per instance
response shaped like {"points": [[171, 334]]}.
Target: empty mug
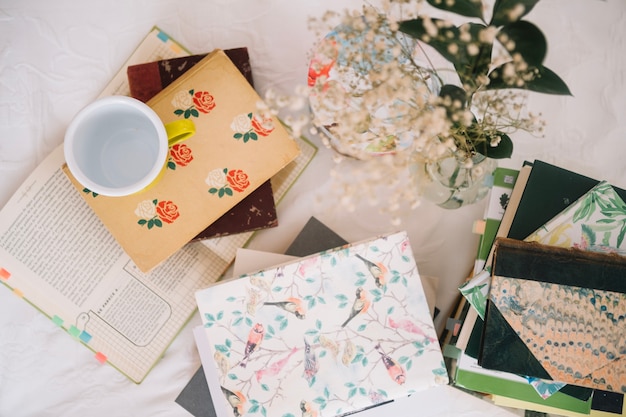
{"points": [[118, 146]]}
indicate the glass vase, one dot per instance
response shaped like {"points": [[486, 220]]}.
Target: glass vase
{"points": [[453, 181]]}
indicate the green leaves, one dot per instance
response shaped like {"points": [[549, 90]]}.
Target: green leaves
{"points": [[470, 49], [469, 8], [461, 46], [509, 11], [504, 148], [527, 39]]}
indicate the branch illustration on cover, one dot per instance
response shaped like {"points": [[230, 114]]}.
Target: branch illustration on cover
{"points": [[333, 333]]}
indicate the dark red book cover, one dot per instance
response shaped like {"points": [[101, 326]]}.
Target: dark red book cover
{"points": [[258, 210]]}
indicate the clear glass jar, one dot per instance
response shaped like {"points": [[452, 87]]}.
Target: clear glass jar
{"points": [[454, 181]]}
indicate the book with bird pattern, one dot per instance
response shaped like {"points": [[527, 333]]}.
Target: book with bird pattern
{"points": [[325, 335]]}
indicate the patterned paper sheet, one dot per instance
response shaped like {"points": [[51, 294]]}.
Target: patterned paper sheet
{"points": [[331, 333]]}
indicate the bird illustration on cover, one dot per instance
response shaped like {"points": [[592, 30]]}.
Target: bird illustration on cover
{"points": [[307, 409], [395, 371], [310, 363], [254, 340], [236, 400], [291, 305], [276, 367], [361, 304], [378, 271]]}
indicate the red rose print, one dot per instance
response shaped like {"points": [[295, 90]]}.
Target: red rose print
{"points": [[204, 101], [181, 154], [262, 127], [167, 211], [237, 179]]}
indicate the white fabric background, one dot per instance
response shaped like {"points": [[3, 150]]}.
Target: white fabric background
{"points": [[56, 56]]}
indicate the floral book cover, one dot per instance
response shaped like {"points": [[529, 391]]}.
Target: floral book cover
{"points": [[146, 80], [326, 335], [235, 150], [595, 222]]}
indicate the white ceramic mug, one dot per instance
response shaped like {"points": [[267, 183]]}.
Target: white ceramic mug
{"points": [[118, 146]]}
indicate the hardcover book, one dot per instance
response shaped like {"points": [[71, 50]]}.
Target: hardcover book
{"points": [[258, 210], [339, 331], [146, 80], [314, 237], [558, 314], [235, 150], [549, 190]]}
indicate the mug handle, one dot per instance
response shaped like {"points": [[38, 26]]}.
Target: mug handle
{"points": [[179, 130]]}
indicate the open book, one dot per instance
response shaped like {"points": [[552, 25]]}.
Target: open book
{"points": [[58, 256]]}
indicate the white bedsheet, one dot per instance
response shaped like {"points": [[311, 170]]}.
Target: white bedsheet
{"points": [[56, 56]]}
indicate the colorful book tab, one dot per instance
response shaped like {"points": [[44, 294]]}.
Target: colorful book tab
{"points": [[74, 331], [479, 227], [163, 36], [18, 293], [101, 357], [57, 320], [4, 274], [84, 336]]}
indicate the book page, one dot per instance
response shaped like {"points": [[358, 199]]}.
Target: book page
{"points": [[57, 255]]}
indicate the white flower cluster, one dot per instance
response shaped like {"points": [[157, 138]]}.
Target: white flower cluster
{"points": [[375, 92]]}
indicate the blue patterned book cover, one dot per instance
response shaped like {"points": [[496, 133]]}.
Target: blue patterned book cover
{"points": [[327, 335]]}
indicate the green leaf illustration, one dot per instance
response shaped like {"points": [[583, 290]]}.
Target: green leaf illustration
{"points": [[142, 222], [158, 223], [194, 113], [228, 191], [222, 348], [620, 236], [171, 165], [187, 113], [178, 112], [150, 224], [238, 135]]}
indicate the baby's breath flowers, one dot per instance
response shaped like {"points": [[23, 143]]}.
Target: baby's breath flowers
{"points": [[394, 81]]}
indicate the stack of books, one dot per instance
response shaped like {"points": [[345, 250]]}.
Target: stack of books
{"points": [[541, 326], [123, 283]]}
